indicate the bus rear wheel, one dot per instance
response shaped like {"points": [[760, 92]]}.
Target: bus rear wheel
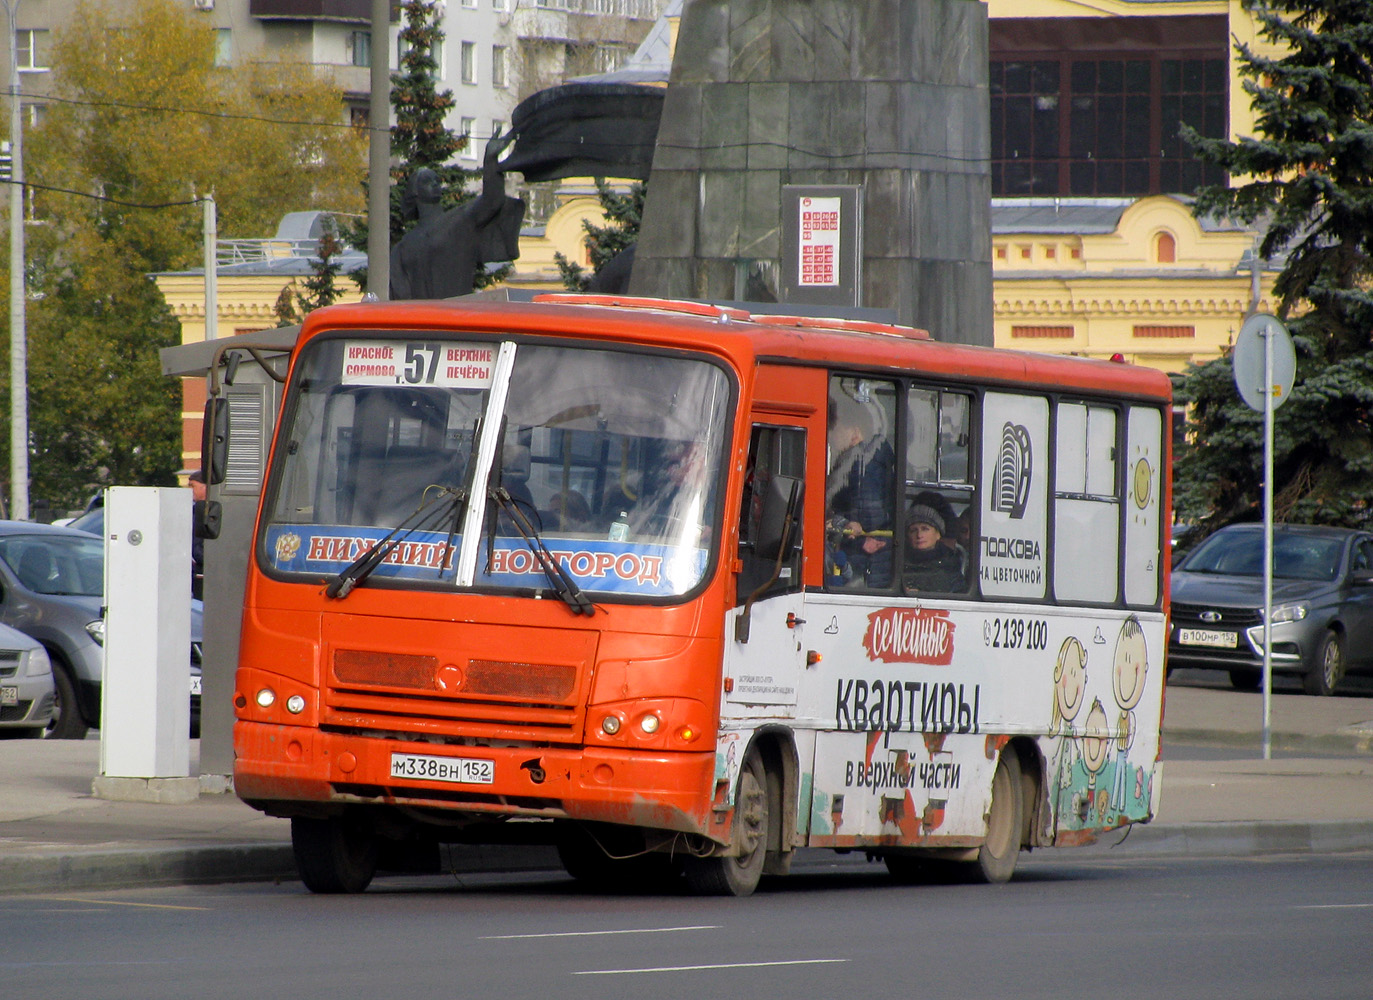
{"points": [[333, 855], [738, 874], [997, 856]]}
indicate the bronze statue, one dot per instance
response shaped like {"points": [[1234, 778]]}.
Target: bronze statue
{"points": [[439, 257]]}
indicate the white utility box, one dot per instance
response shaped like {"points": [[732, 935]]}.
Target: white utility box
{"points": [[145, 714]]}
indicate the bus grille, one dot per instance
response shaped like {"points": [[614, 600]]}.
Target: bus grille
{"points": [[482, 698]]}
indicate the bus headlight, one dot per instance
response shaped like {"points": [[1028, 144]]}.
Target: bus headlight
{"points": [[650, 723], [610, 725], [266, 698], [295, 704]]}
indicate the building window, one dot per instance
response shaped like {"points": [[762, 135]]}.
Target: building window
{"points": [[498, 77], [498, 127], [1165, 249], [500, 4], [33, 49], [359, 117], [224, 46], [469, 62], [469, 3], [360, 48], [469, 148], [1025, 123], [1043, 332], [1165, 332], [1094, 106], [1193, 93]]}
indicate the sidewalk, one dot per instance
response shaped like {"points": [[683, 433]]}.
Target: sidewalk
{"points": [[1219, 797]]}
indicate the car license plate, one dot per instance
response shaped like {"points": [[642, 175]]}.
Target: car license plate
{"points": [[457, 770], [1208, 637], [195, 685], [9, 695]]}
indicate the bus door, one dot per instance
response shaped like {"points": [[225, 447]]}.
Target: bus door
{"points": [[765, 655]]}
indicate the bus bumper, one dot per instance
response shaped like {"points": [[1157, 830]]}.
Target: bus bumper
{"points": [[288, 770]]}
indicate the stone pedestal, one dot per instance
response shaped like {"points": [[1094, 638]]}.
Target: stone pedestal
{"points": [[887, 94]]}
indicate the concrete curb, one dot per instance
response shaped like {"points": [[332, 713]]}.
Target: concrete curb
{"points": [[137, 868], [1355, 740], [1209, 840], [133, 868]]}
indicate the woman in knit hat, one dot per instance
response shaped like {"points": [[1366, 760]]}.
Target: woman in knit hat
{"points": [[930, 564]]}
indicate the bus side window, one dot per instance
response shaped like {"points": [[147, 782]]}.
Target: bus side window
{"points": [[939, 552], [860, 487], [773, 451]]}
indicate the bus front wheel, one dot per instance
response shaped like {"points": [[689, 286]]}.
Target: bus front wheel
{"points": [[738, 874], [333, 855], [997, 856]]}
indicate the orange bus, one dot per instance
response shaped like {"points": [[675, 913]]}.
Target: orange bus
{"points": [[682, 589]]}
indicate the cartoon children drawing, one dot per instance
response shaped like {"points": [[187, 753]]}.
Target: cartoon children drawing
{"points": [[1127, 679], [1070, 685], [1096, 746]]}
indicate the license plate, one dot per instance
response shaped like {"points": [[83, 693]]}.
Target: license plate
{"points": [[195, 685], [1208, 637], [457, 770], [9, 695]]}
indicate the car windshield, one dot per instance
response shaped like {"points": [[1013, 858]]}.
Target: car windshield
{"points": [[56, 564], [614, 458], [1240, 553]]}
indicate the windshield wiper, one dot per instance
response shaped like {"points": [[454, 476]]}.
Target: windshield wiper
{"points": [[563, 585], [428, 514]]}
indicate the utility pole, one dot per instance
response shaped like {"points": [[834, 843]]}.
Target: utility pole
{"points": [[19, 350], [379, 156], [210, 226]]}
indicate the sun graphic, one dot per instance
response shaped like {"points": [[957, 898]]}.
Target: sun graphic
{"points": [[1144, 479]]}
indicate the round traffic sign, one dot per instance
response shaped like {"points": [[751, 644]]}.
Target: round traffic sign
{"points": [[1247, 360]]}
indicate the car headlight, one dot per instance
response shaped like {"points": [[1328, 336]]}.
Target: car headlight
{"points": [[39, 664], [1290, 612], [96, 630]]}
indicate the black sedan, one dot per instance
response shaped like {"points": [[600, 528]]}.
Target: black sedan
{"points": [[1322, 622]]}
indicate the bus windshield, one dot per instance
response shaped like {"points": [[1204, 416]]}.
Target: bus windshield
{"points": [[612, 458]]}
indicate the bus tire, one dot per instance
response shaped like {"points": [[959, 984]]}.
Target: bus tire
{"points": [[738, 874], [997, 856], [333, 855]]}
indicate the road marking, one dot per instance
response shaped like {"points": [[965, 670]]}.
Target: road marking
{"points": [[1336, 906], [703, 968], [632, 930], [115, 902]]}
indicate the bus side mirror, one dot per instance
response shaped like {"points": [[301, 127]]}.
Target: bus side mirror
{"points": [[777, 522], [214, 442]]}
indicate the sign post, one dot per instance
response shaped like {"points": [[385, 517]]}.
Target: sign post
{"points": [[1265, 366]]}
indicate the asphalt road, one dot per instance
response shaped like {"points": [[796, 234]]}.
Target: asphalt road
{"points": [[1064, 927]]}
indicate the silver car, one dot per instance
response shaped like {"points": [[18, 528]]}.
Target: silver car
{"points": [[27, 694], [1322, 623]]}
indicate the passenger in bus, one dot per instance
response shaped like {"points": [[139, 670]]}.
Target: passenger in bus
{"points": [[858, 503], [930, 564], [568, 512]]}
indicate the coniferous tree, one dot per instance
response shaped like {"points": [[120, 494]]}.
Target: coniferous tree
{"points": [[293, 305], [1306, 180], [623, 213]]}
